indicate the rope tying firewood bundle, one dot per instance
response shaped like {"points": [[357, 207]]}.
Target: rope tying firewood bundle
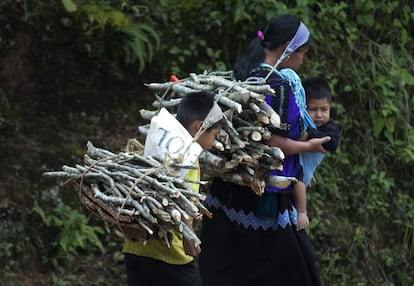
{"points": [[240, 154], [135, 193]]}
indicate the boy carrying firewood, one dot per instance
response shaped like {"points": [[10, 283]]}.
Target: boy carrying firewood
{"points": [[182, 138]]}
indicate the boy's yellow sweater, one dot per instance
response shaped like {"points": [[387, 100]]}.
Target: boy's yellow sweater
{"points": [[156, 248]]}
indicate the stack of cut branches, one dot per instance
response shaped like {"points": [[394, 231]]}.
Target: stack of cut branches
{"points": [[135, 193], [240, 154]]}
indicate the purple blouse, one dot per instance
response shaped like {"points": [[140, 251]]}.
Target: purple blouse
{"points": [[283, 102]]}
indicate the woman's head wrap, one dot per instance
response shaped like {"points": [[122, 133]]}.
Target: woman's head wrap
{"points": [[300, 38]]}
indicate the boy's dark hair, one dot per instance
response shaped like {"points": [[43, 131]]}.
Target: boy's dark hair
{"points": [[195, 106], [317, 88]]}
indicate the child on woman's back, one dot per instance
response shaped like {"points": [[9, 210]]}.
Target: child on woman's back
{"points": [[318, 103]]}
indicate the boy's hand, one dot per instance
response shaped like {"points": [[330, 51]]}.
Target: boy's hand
{"points": [[190, 248]]}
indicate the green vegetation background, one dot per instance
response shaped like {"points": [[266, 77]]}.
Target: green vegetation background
{"points": [[74, 70]]}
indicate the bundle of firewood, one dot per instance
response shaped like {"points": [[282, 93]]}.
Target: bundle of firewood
{"points": [[240, 154], [144, 198], [137, 194]]}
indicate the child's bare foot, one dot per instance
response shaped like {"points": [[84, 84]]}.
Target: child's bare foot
{"points": [[303, 220]]}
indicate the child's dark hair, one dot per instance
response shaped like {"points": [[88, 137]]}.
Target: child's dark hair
{"points": [[317, 88], [195, 106], [278, 32]]}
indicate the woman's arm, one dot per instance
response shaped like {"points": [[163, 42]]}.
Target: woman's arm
{"points": [[329, 129], [290, 146]]}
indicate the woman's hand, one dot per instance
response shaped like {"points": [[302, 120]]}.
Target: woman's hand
{"points": [[291, 147], [316, 144]]}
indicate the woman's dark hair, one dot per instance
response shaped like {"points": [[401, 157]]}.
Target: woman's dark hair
{"points": [[194, 106], [279, 31], [317, 88]]}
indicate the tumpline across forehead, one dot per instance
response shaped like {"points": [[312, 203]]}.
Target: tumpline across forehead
{"points": [[215, 115], [286, 28], [300, 38]]}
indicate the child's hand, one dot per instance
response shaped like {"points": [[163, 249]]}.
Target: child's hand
{"points": [[304, 137], [190, 248]]}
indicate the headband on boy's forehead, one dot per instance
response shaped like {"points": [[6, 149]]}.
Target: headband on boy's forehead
{"points": [[300, 38], [214, 115]]}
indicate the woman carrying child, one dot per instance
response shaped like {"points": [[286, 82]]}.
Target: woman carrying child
{"points": [[253, 240]]}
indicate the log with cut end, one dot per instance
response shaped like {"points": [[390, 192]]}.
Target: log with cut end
{"points": [[280, 181]]}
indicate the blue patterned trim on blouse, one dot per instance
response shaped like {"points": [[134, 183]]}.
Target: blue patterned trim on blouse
{"points": [[246, 220]]}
